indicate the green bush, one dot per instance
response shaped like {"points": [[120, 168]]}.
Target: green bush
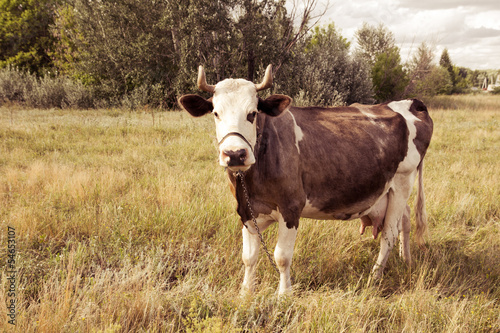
{"points": [[136, 98], [45, 92], [78, 96], [12, 84], [435, 82], [496, 91], [58, 92]]}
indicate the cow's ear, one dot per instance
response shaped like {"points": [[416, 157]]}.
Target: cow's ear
{"points": [[274, 105], [196, 105]]}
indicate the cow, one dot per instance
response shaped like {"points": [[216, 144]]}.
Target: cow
{"points": [[338, 163]]}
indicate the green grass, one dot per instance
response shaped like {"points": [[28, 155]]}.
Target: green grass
{"points": [[123, 225]]}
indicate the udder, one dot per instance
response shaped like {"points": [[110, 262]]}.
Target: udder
{"points": [[375, 218]]}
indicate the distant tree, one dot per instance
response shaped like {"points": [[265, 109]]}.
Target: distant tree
{"points": [[201, 33], [476, 78], [373, 41], [421, 63], [462, 82], [267, 32], [25, 38], [445, 62], [144, 45], [388, 75], [459, 76], [426, 79], [376, 45]]}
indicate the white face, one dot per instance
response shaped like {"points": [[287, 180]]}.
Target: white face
{"points": [[235, 106]]}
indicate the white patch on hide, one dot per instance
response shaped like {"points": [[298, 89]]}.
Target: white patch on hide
{"points": [[412, 158], [299, 135]]}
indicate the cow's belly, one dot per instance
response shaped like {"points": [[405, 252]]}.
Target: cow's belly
{"points": [[312, 212], [354, 211]]}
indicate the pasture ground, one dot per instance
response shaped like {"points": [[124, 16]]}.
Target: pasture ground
{"points": [[124, 223]]}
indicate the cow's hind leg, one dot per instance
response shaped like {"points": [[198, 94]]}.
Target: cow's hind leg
{"points": [[404, 242], [393, 224], [283, 254]]}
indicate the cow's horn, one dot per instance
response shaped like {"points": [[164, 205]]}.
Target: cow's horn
{"points": [[202, 81], [267, 82]]}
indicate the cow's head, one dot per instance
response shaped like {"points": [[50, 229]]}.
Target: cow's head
{"points": [[235, 106]]}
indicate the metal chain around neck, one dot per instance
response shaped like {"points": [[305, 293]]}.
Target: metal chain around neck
{"points": [[239, 174]]}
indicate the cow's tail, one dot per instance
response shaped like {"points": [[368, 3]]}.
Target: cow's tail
{"points": [[421, 215]]}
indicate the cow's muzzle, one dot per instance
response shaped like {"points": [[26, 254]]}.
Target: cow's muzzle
{"points": [[236, 159]]}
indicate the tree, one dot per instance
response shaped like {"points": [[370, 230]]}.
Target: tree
{"points": [[25, 39], [373, 41], [462, 82], [322, 71], [146, 45], [261, 26], [426, 79], [446, 63], [459, 76], [476, 77], [65, 53], [421, 63], [389, 78], [377, 46], [122, 46], [267, 33]]}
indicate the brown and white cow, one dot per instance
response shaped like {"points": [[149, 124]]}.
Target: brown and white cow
{"points": [[323, 163]]}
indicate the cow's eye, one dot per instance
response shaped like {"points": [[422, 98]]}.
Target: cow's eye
{"points": [[251, 116], [216, 115]]}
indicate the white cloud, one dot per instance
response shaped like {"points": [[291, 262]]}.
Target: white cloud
{"points": [[470, 30], [449, 4], [490, 19]]}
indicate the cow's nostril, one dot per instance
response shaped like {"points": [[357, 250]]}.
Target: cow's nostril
{"points": [[236, 157]]}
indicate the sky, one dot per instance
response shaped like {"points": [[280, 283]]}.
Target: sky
{"points": [[469, 29]]}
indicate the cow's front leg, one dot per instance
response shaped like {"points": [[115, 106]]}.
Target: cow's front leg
{"points": [[250, 255], [283, 254]]}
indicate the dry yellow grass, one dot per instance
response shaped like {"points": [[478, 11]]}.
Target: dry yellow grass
{"points": [[122, 226]]}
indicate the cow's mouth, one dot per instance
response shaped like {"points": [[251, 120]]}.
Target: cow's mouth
{"points": [[236, 168]]}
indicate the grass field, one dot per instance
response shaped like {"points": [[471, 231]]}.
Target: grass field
{"points": [[124, 222]]}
